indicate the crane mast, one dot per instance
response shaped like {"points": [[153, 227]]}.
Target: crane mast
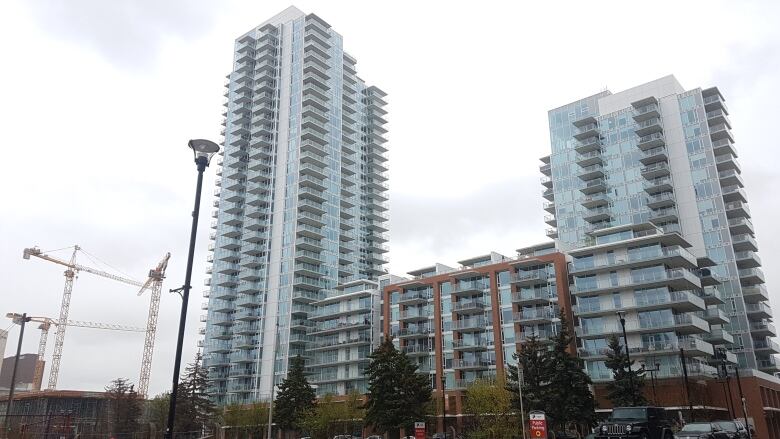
{"points": [[59, 337], [156, 277]]}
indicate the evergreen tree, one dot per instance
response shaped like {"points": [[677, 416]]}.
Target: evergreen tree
{"points": [[295, 397], [194, 410], [125, 406], [532, 362], [397, 395], [568, 397], [620, 390]]}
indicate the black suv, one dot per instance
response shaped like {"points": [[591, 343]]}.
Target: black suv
{"points": [[636, 423]]}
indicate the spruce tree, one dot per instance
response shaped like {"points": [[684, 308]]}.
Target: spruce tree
{"points": [[569, 400], [532, 362], [125, 406], [295, 398], [397, 394], [620, 391], [194, 410]]}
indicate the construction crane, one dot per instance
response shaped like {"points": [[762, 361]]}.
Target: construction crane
{"points": [[154, 282], [45, 325]]}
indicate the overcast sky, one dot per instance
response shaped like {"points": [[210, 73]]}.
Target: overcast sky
{"points": [[98, 99]]}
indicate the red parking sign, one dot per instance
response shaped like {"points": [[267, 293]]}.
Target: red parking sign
{"points": [[419, 430], [538, 425]]}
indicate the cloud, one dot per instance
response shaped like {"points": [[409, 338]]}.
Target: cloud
{"points": [[129, 34]]}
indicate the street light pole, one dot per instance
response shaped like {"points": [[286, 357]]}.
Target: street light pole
{"points": [[621, 315], [203, 150], [20, 319]]}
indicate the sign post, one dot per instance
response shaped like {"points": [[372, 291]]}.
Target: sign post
{"points": [[419, 430], [538, 424]]}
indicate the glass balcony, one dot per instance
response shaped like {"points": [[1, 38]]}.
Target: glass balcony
{"points": [[729, 178], [737, 209], [474, 324], [549, 206], [589, 158], [679, 279], [473, 344], [715, 316], [597, 214], [551, 220], [548, 194], [654, 155], [658, 185], [769, 365], [766, 345], [586, 130], [734, 193], [414, 315], [468, 307], [650, 141], [416, 332], [591, 172], [536, 315], [758, 311], [655, 170], [469, 288], [682, 324], [533, 277], [649, 126], [646, 112], [594, 186], [762, 329], [723, 146], [536, 296], [595, 200], [755, 293], [727, 161], [588, 144], [663, 215], [719, 336], [472, 364], [747, 259], [661, 200], [415, 297], [744, 242]]}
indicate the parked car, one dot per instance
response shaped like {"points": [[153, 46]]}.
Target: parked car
{"points": [[702, 430], [735, 429], [636, 423]]}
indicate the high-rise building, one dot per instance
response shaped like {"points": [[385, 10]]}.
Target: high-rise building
{"points": [[463, 324], [645, 192], [301, 205]]}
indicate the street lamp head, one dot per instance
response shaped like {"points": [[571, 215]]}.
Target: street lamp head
{"points": [[203, 148]]}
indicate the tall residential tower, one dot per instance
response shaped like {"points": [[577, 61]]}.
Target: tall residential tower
{"points": [[645, 192], [301, 205]]}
